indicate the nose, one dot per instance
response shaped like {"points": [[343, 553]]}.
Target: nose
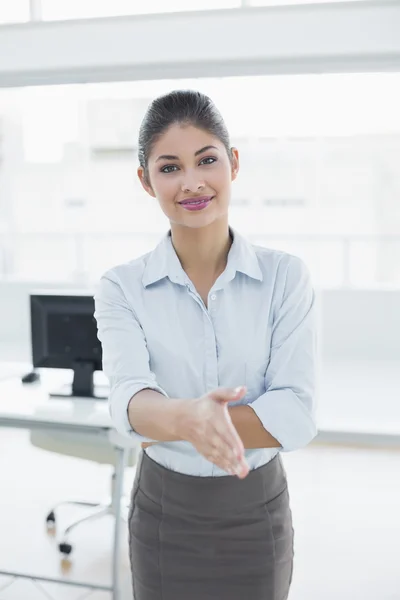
{"points": [[191, 182]]}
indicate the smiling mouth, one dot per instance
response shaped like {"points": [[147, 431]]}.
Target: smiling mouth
{"points": [[196, 201]]}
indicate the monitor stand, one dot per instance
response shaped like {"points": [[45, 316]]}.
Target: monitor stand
{"points": [[100, 392], [82, 385]]}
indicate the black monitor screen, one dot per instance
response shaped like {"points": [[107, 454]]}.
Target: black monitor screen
{"points": [[72, 335], [64, 336]]}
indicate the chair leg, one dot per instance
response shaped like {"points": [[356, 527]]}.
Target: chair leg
{"points": [[76, 503], [104, 510]]}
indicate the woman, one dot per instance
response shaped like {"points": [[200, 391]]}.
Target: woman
{"points": [[209, 346]]}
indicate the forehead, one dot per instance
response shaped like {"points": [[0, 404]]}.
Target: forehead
{"points": [[180, 139]]}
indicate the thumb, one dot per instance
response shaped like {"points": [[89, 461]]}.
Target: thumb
{"points": [[225, 395]]}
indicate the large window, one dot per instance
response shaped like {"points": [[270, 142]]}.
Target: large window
{"points": [[14, 11], [319, 174]]}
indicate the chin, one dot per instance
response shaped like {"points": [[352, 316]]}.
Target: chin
{"points": [[202, 221]]}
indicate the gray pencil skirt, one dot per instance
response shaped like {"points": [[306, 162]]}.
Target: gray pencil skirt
{"points": [[206, 538]]}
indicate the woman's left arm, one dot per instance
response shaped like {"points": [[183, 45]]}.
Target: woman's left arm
{"points": [[250, 428], [284, 415]]}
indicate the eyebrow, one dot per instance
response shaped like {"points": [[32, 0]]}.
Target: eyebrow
{"points": [[172, 157]]}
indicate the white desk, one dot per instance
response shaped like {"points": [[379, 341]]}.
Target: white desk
{"points": [[29, 407]]}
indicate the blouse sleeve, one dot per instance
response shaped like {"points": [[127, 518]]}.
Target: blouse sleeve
{"points": [[286, 409], [125, 355]]}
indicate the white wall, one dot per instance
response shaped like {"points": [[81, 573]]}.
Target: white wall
{"points": [[360, 324]]}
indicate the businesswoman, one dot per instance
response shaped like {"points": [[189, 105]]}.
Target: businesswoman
{"points": [[209, 345]]}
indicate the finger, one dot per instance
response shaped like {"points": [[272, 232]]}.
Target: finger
{"points": [[222, 455], [228, 468], [223, 452], [240, 392], [243, 470], [231, 431], [237, 469], [224, 394], [233, 468], [230, 434], [230, 439], [226, 465], [240, 468]]}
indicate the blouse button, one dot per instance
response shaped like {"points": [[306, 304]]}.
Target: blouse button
{"points": [[213, 297]]}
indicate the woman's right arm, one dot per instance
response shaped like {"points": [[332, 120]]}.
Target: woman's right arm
{"points": [[124, 355], [139, 407], [153, 417]]}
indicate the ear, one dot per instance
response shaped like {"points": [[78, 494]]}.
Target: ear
{"points": [[145, 183], [235, 163]]}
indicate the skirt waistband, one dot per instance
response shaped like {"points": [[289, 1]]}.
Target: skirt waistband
{"points": [[209, 496]]}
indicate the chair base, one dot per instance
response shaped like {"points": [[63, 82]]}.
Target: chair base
{"points": [[98, 511]]}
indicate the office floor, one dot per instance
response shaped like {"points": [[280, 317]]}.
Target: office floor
{"points": [[345, 504]]}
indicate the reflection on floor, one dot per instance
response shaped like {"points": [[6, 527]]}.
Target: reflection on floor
{"points": [[345, 505]]}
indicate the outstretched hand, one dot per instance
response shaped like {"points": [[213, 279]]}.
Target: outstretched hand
{"points": [[207, 425]]}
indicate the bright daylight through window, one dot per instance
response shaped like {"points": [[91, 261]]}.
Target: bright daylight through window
{"points": [[319, 176]]}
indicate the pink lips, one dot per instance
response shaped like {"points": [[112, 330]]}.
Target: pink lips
{"points": [[196, 203]]}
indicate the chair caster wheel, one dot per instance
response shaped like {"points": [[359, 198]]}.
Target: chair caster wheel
{"points": [[65, 548], [51, 518]]}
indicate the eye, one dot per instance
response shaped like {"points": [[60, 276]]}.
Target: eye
{"points": [[209, 160], [168, 169]]}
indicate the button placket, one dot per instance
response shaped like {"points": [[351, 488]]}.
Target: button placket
{"points": [[212, 304], [211, 356]]}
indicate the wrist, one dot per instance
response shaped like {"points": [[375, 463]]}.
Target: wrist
{"points": [[179, 418], [182, 419]]}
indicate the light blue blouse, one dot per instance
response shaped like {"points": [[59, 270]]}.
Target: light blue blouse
{"points": [[259, 330]]}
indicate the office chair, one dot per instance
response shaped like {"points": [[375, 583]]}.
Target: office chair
{"points": [[91, 448], [64, 337]]}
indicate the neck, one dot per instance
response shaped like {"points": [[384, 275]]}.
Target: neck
{"points": [[202, 250]]}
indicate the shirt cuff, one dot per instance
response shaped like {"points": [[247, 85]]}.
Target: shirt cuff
{"points": [[118, 405], [286, 418]]}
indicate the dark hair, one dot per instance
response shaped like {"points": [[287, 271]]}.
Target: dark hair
{"points": [[180, 106]]}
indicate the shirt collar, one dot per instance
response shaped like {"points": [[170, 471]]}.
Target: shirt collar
{"points": [[164, 262]]}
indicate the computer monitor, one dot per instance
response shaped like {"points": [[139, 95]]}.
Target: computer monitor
{"points": [[64, 336]]}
